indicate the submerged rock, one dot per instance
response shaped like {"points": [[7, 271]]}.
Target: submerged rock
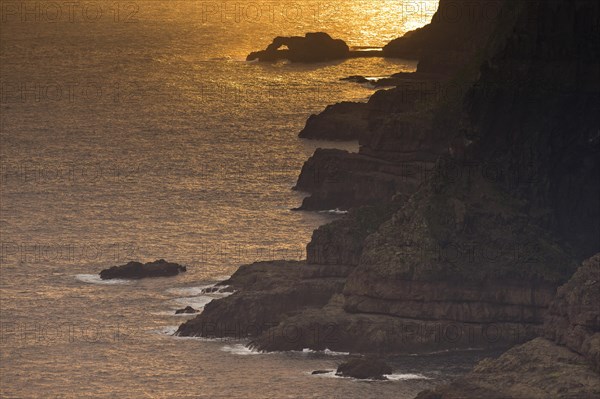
{"points": [[187, 309], [137, 270], [316, 372], [364, 368], [356, 79]]}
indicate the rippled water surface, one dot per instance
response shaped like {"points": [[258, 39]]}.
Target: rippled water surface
{"points": [[136, 130]]}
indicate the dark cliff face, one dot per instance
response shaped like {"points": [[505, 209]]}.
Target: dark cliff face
{"points": [[491, 216], [457, 30], [534, 113], [520, 110], [524, 174]]}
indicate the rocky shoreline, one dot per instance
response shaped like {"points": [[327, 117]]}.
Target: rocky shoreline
{"points": [[473, 197]]}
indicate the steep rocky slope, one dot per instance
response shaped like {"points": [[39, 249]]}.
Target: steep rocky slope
{"points": [[458, 29], [564, 365], [534, 113], [574, 316]]}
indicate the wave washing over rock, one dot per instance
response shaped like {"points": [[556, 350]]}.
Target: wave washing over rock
{"points": [[473, 197]]}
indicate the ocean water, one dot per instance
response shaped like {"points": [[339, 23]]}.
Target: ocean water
{"points": [[135, 130]]}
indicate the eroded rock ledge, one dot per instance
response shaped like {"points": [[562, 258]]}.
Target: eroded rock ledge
{"points": [[265, 293], [344, 121], [469, 260]]}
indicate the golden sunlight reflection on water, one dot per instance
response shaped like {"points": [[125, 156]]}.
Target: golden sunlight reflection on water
{"points": [[206, 148]]}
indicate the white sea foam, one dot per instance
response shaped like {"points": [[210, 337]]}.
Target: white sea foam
{"points": [[189, 291], [403, 377], [329, 374], [197, 302], [172, 313], [243, 350], [335, 211], [200, 289], [325, 352], [95, 279], [390, 377], [197, 296], [168, 330], [203, 339]]}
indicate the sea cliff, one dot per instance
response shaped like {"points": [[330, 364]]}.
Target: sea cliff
{"points": [[473, 197]]}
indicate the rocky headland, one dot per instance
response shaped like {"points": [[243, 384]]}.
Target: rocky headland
{"points": [[473, 197]]}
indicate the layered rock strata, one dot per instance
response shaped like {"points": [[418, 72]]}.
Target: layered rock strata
{"points": [[565, 364]]}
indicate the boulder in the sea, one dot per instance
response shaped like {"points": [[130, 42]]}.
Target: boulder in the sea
{"points": [[364, 368], [187, 309], [313, 47], [137, 270]]}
